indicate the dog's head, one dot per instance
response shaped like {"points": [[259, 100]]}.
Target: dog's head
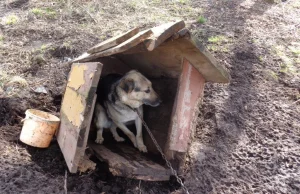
{"points": [[135, 90]]}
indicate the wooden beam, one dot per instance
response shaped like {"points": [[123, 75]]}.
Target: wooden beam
{"points": [[114, 41], [126, 161]]}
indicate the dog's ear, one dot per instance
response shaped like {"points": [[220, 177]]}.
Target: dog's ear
{"points": [[127, 85]]}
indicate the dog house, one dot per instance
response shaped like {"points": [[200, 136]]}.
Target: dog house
{"points": [[178, 67]]}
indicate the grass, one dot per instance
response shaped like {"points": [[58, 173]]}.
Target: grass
{"points": [[273, 74], [37, 11], [4, 78], [11, 20], [288, 64], [201, 20], [18, 80], [295, 50], [183, 1], [45, 12], [215, 48], [219, 43], [217, 39]]}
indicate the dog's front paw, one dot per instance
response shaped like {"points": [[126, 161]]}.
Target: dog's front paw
{"points": [[99, 140], [142, 148], [119, 139]]}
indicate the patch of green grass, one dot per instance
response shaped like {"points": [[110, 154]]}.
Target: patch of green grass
{"points": [[18, 80], [201, 20], [217, 39], [50, 12], [273, 74], [3, 78], [47, 12], [287, 66], [219, 43], [183, 1], [1, 38], [67, 44], [44, 47], [295, 50], [37, 11], [215, 48], [11, 20]]}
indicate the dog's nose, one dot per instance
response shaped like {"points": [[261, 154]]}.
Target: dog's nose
{"points": [[159, 101]]}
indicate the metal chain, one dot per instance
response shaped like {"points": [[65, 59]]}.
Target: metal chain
{"points": [[162, 154]]}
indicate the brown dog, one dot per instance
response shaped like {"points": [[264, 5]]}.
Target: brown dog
{"points": [[118, 98]]}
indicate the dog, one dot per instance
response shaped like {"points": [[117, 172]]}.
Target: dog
{"points": [[118, 99]]}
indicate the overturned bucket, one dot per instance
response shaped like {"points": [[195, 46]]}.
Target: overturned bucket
{"points": [[38, 128]]}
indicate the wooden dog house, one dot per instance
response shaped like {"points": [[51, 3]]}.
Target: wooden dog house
{"points": [[178, 67]]}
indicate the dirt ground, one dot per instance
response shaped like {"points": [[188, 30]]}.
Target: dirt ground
{"points": [[248, 134]]}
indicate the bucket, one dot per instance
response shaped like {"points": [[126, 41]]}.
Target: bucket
{"points": [[38, 128]]}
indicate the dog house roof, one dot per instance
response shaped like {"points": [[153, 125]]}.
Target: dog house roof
{"points": [[161, 48]]}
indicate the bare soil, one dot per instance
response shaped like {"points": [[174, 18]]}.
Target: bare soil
{"points": [[248, 135]]}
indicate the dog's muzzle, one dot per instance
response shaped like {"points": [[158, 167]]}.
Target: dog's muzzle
{"points": [[154, 103]]}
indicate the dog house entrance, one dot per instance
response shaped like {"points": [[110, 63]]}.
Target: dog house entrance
{"points": [[176, 65], [123, 158]]}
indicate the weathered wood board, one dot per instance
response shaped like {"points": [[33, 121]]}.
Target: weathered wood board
{"points": [[113, 41], [131, 42], [160, 34], [76, 111], [166, 60], [126, 161], [190, 91]]}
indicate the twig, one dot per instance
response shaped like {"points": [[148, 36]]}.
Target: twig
{"points": [[65, 185], [140, 187], [296, 101], [94, 20]]}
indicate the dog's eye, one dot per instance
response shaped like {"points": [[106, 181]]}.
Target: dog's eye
{"points": [[147, 91]]}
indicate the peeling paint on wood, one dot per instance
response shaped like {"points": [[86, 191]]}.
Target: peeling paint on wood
{"points": [[76, 79], [73, 107], [76, 111]]}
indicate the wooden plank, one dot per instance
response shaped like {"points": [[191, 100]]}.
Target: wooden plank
{"points": [[183, 33], [190, 91], [126, 161], [114, 41], [76, 111], [166, 60], [162, 33], [133, 41], [203, 61], [85, 163]]}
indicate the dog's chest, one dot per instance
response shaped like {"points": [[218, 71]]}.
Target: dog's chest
{"points": [[121, 115]]}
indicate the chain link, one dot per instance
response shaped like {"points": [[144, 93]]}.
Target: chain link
{"points": [[162, 154]]}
